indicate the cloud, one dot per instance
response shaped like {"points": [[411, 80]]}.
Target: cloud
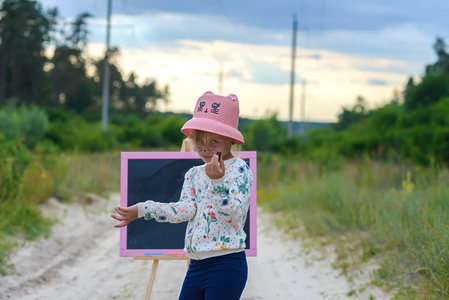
{"points": [[366, 48], [267, 73], [365, 28], [375, 81], [402, 42], [259, 75], [164, 28], [405, 41], [364, 15]]}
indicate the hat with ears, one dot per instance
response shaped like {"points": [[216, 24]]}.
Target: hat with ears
{"points": [[216, 114]]}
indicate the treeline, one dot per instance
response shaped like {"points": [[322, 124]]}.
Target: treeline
{"points": [[413, 127], [44, 62], [49, 100], [51, 91]]}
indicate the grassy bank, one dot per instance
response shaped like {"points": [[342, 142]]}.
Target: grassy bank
{"points": [[28, 180], [395, 214]]}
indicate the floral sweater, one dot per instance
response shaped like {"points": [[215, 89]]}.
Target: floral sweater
{"points": [[216, 210]]}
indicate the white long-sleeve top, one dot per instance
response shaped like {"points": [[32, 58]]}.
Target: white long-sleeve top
{"points": [[216, 210]]}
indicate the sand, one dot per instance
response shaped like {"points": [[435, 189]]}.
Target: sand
{"points": [[80, 260]]}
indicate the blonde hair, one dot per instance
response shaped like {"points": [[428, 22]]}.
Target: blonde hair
{"points": [[187, 145]]}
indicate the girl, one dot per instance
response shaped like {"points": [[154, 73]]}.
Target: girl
{"points": [[214, 200]]}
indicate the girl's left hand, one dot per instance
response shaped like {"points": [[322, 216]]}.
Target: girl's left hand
{"points": [[215, 168]]}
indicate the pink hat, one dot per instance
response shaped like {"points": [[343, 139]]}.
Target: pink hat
{"points": [[216, 114]]}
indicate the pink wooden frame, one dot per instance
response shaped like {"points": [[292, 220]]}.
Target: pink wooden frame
{"points": [[251, 155]]}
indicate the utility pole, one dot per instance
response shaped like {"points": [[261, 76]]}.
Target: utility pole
{"points": [[106, 74], [292, 79], [303, 107]]}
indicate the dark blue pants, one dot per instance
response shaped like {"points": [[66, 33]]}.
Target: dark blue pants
{"points": [[216, 278]]}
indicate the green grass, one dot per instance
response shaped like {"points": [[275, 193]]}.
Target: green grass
{"points": [[393, 213], [28, 183]]}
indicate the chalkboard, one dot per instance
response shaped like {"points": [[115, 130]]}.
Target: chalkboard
{"points": [[159, 176]]}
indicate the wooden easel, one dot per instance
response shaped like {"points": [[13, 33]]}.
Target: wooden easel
{"points": [[156, 259]]}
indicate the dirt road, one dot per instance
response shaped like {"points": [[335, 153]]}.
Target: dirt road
{"points": [[81, 260]]}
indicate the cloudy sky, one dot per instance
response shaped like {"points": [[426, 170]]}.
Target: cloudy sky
{"points": [[345, 48]]}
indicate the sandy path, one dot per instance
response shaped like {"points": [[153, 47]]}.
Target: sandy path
{"points": [[81, 261]]}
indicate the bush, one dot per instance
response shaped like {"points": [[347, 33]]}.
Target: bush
{"points": [[264, 135], [29, 123], [76, 134], [18, 214], [170, 128], [389, 133], [14, 158], [89, 137]]}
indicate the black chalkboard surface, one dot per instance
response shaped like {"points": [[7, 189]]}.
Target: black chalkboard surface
{"points": [[159, 176]]}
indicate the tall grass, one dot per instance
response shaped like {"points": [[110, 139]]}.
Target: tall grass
{"points": [[397, 210], [28, 180]]}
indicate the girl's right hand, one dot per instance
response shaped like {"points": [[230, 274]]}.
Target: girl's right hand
{"points": [[126, 215]]}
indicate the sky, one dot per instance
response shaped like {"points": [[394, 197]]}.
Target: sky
{"points": [[345, 49]]}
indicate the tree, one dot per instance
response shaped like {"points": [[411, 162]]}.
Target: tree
{"points": [[435, 83], [349, 117], [77, 39], [128, 96], [71, 87], [442, 64], [431, 89], [408, 88], [150, 96], [116, 83], [24, 29]]}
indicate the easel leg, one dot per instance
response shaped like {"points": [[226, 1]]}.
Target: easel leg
{"points": [[152, 278]]}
